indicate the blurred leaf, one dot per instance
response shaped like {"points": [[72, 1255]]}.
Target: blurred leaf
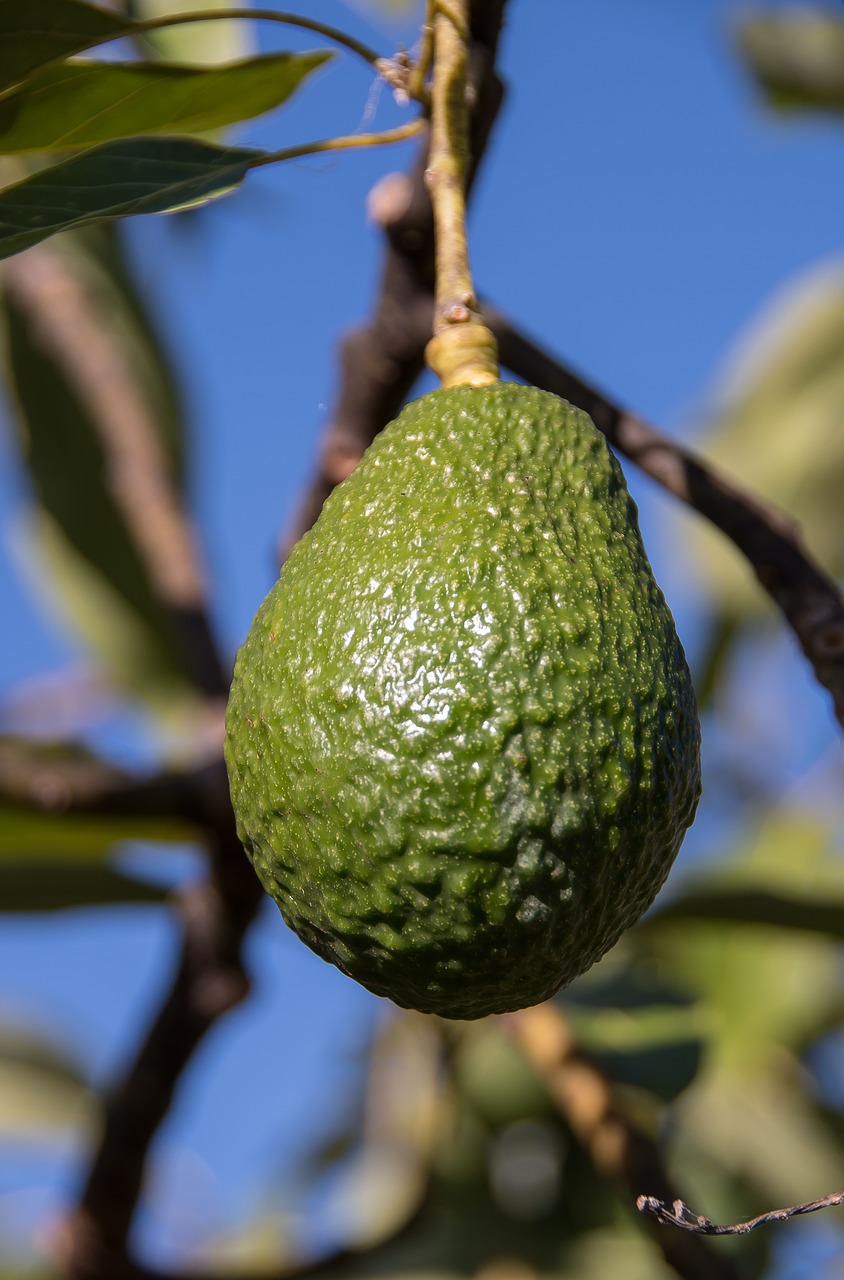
{"points": [[797, 58], [763, 1127], [203, 43], [494, 1076], [657, 1049], [97, 575], [663, 1070], [779, 422], [817, 915], [58, 887], [615, 986], [765, 990], [623, 1254], [641, 1028], [75, 839], [42, 1088], [394, 8], [27, 1048], [34, 33], [117, 180], [403, 1117], [50, 862], [79, 104]]}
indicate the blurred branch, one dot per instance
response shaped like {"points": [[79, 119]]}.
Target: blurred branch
{"points": [[82, 783], [618, 1150], [210, 980], [61, 308], [808, 597], [680, 1215]]}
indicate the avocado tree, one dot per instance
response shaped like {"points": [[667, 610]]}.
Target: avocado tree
{"points": [[692, 1064]]}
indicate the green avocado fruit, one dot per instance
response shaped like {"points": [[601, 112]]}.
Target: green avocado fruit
{"points": [[462, 739]]}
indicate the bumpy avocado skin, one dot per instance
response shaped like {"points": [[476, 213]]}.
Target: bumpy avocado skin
{"points": [[463, 744]]}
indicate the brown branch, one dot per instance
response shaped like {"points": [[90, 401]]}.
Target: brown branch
{"points": [[619, 1151], [807, 596], [680, 1215]]}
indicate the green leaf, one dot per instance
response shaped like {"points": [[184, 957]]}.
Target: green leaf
{"points": [[797, 58], [117, 180], [80, 104], [34, 33]]}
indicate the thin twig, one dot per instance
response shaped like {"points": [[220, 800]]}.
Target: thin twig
{"points": [[417, 84], [344, 142], [334, 34], [680, 1215], [448, 162]]}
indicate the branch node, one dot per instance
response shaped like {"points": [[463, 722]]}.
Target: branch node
{"points": [[464, 354]]}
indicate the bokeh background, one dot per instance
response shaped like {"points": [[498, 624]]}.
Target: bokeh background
{"points": [[649, 215]]}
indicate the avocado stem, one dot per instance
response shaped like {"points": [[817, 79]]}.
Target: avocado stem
{"points": [[462, 350]]}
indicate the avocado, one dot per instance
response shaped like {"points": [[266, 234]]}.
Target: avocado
{"points": [[462, 738]]}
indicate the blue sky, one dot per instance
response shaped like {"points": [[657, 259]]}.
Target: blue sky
{"points": [[637, 209]]}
